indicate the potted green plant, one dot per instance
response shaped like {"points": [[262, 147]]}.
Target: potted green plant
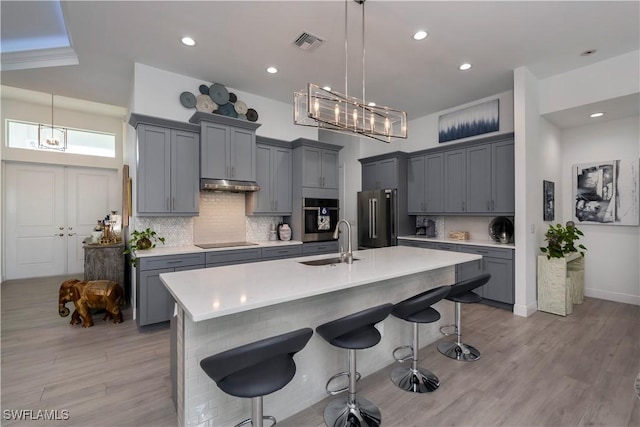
{"points": [[562, 240], [142, 240]]}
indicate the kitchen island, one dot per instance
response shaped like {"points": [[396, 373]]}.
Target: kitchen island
{"points": [[224, 307]]}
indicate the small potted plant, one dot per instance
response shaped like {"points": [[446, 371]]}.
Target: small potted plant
{"points": [[561, 240], [142, 240]]}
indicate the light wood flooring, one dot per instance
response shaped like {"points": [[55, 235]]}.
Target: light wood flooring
{"points": [[544, 370]]}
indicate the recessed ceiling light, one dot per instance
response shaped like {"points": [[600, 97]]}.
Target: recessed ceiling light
{"points": [[272, 70], [327, 88], [588, 52], [420, 35], [464, 66], [594, 115], [372, 104], [188, 41]]}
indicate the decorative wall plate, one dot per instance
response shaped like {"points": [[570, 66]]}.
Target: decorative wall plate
{"points": [[228, 110], [205, 104], [232, 97], [252, 115], [219, 94], [204, 89], [241, 107], [187, 99]]}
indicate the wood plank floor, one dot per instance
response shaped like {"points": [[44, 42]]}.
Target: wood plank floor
{"points": [[544, 370]]}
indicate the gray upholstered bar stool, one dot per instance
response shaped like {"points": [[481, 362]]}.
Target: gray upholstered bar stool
{"points": [[353, 332], [257, 369], [416, 310], [462, 293]]}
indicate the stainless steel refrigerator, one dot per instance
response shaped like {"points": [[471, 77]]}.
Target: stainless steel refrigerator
{"points": [[377, 218]]}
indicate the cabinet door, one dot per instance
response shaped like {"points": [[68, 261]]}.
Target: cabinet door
{"points": [[264, 199], [503, 177], [215, 154], [415, 185], [479, 179], [155, 303], [434, 183], [281, 172], [468, 270], [243, 157], [311, 169], [500, 286], [388, 173], [370, 176], [185, 172], [455, 180], [154, 169], [330, 169]]}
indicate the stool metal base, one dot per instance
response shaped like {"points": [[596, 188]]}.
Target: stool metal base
{"points": [[462, 352], [339, 413], [415, 381]]}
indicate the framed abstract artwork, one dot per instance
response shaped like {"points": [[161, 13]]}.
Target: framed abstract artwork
{"points": [[470, 121], [549, 200], [607, 192]]}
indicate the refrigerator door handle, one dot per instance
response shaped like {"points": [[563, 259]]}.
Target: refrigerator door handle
{"points": [[370, 214], [375, 219]]}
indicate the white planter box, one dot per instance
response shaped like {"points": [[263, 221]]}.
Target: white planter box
{"points": [[560, 283]]}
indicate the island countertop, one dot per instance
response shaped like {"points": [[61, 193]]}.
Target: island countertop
{"points": [[215, 292]]}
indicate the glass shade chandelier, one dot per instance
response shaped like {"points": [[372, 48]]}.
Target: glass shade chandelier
{"points": [[50, 137], [331, 110]]}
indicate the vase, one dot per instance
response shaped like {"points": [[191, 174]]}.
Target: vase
{"points": [[144, 243]]}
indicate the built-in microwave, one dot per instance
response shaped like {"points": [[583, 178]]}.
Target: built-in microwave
{"points": [[319, 219]]}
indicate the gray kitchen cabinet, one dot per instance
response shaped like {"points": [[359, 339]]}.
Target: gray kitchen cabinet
{"points": [[273, 175], [469, 270], [417, 244], [319, 164], [167, 171], [317, 248], [425, 184], [227, 147], [232, 256], [497, 262], [154, 303], [503, 177], [455, 181], [380, 174], [478, 186], [281, 252]]}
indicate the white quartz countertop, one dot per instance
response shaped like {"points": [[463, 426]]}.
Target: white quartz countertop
{"points": [[220, 291], [179, 250], [487, 243]]}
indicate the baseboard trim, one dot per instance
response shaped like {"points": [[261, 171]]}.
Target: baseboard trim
{"points": [[612, 296], [525, 310]]}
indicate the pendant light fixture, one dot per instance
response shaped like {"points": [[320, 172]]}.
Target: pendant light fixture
{"points": [[327, 109], [51, 137]]}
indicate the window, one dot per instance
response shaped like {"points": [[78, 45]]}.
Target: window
{"points": [[85, 142]]}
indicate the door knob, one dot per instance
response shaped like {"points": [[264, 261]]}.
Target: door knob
{"points": [[60, 228], [72, 234], [59, 234]]}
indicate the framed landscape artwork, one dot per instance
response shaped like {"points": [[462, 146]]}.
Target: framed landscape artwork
{"points": [[549, 196], [607, 192], [470, 121]]}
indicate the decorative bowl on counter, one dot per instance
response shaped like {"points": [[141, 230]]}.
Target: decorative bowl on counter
{"points": [[501, 229]]}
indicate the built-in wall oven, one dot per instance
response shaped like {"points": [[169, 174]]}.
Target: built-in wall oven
{"points": [[319, 219]]}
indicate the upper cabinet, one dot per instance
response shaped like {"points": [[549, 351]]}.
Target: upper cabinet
{"points": [[474, 178], [228, 147], [168, 167], [318, 163], [381, 172], [273, 175]]}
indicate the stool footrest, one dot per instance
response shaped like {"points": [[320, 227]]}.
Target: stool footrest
{"points": [[448, 330], [336, 376], [249, 421], [407, 357]]}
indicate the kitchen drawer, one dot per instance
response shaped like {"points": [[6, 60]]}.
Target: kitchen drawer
{"points": [[446, 247], [281, 252], [236, 256], [315, 248], [417, 244], [486, 251], [170, 261]]}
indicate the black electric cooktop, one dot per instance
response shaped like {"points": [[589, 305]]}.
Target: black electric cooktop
{"points": [[224, 245]]}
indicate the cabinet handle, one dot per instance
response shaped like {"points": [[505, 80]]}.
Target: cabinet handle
{"points": [[168, 206], [463, 206], [320, 181], [488, 205], [425, 206], [174, 262], [72, 234], [227, 173], [233, 171], [493, 205], [60, 228], [173, 203], [323, 181], [276, 205]]}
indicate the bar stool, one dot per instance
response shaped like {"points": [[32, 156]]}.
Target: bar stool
{"points": [[416, 310], [462, 293], [353, 332], [257, 369]]}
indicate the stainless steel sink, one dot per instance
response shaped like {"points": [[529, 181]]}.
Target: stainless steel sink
{"points": [[326, 261]]}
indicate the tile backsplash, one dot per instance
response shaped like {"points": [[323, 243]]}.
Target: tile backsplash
{"points": [[259, 227], [177, 231]]}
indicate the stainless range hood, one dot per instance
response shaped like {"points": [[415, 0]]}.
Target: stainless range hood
{"points": [[208, 184]]}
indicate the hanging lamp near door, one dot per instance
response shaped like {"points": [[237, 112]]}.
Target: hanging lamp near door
{"points": [[331, 110], [51, 137]]}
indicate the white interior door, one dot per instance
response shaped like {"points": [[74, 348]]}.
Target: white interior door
{"points": [[49, 210]]}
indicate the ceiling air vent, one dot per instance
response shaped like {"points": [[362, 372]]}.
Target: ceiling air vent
{"points": [[308, 42]]}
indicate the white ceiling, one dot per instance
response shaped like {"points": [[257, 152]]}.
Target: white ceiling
{"points": [[237, 40]]}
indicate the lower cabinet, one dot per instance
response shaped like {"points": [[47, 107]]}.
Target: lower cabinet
{"points": [[496, 261], [281, 252], [318, 248]]}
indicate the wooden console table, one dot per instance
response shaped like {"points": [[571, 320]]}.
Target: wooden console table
{"points": [[560, 283], [105, 262]]}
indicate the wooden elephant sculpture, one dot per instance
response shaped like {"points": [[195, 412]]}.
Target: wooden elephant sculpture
{"points": [[85, 295]]}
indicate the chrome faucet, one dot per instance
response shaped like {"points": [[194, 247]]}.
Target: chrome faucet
{"points": [[348, 256]]}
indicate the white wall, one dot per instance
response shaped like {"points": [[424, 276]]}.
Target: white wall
{"points": [[612, 270]]}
